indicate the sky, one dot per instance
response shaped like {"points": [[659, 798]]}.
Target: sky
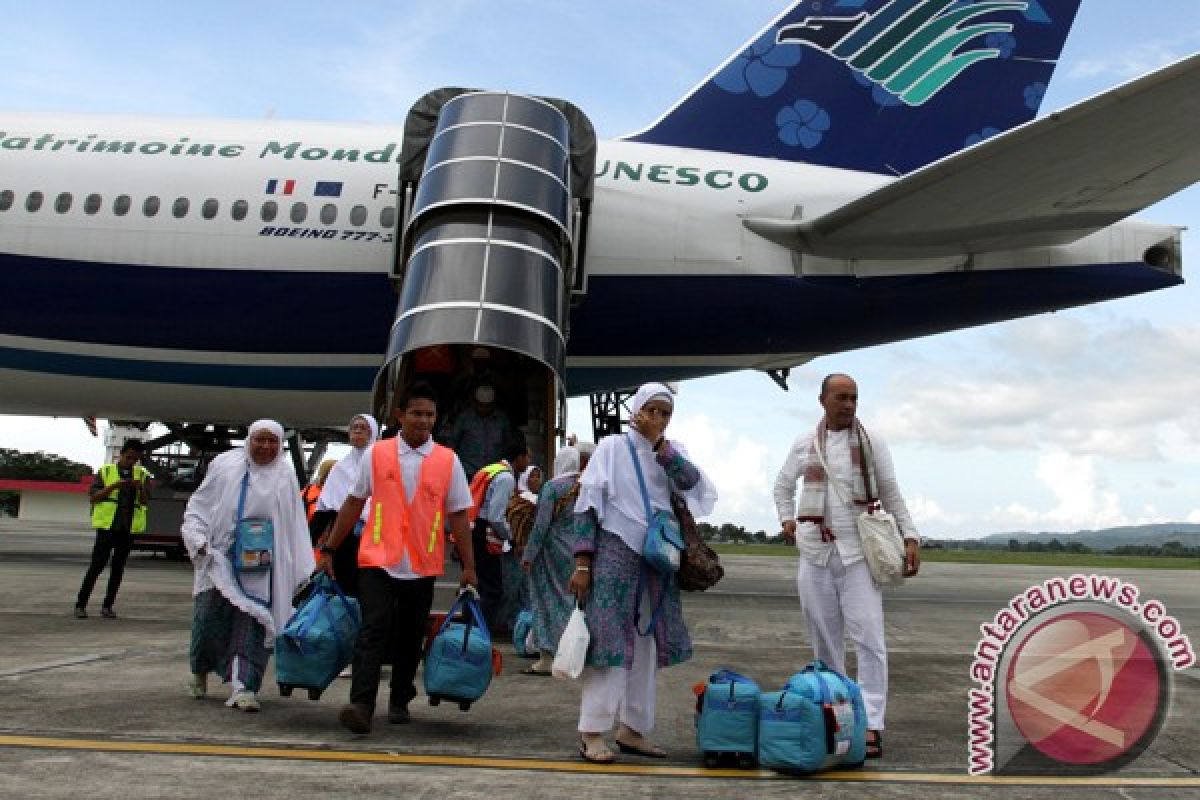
{"points": [[1082, 419]]}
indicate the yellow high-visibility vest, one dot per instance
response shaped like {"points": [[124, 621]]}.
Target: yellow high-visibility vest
{"points": [[105, 511]]}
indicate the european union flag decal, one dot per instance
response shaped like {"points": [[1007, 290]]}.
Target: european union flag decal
{"points": [[328, 189]]}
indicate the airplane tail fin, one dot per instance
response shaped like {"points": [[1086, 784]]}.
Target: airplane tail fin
{"points": [[883, 86]]}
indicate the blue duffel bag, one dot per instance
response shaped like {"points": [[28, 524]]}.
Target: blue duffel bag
{"points": [[458, 665], [817, 722], [318, 641], [522, 635], [727, 720]]}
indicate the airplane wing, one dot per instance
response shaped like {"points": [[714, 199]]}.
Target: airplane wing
{"points": [[1048, 182]]}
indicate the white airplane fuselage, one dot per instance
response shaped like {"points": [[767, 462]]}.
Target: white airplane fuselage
{"points": [[189, 313]]}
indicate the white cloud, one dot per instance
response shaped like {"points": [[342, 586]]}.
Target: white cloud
{"points": [[926, 511], [735, 463], [1116, 388], [1081, 498], [1129, 63]]}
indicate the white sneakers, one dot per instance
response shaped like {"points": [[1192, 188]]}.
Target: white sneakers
{"points": [[244, 701], [240, 699]]}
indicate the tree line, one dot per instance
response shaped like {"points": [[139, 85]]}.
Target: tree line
{"points": [[39, 466]]}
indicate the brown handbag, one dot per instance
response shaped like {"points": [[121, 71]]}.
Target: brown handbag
{"points": [[699, 568]]}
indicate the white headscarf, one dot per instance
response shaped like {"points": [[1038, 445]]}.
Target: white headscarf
{"points": [[523, 483], [343, 476], [648, 392], [272, 492], [610, 484], [566, 461]]}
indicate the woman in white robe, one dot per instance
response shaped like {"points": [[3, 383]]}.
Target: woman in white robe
{"points": [[362, 432], [236, 616]]}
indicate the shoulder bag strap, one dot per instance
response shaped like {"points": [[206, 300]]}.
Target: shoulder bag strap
{"points": [[242, 498], [641, 479]]}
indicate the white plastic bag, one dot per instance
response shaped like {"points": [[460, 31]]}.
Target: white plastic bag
{"points": [[572, 647], [883, 547]]}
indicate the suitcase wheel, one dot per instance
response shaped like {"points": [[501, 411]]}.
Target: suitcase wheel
{"points": [[433, 701], [314, 694], [464, 706], [285, 690], [745, 761]]}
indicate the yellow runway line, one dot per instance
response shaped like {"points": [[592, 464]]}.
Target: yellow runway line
{"points": [[541, 765]]}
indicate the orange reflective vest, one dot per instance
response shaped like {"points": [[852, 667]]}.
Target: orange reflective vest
{"points": [[309, 495], [396, 528]]}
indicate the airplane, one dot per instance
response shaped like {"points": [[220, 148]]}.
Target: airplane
{"points": [[859, 172]]}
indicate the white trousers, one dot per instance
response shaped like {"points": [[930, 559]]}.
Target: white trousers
{"points": [[608, 691], [840, 601]]}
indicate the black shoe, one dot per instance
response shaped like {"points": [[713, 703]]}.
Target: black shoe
{"points": [[108, 613], [80, 612], [398, 715], [356, 717]]}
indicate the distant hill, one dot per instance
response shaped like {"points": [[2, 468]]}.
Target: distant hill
{"points": [[1186, 534]]}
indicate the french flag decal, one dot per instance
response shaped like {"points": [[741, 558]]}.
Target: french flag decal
{"points": [[277, 186]]}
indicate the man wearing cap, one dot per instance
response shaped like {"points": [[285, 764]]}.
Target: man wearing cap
{"points": [[478, 434]]}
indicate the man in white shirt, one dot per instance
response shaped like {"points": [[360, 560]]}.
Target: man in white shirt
{"points": [[836, 590], [416, 487]]}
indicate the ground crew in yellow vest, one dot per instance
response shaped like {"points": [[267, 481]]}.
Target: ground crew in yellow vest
{"points": [[493, 487], [119, 501], [416, 487]]}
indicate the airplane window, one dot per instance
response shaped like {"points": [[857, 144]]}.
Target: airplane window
{"points": [[180, 207], [240, 207], [62, 203], [6, 200], [269, 210], [121, 205], [209, 209], [329, 213], [34, 201], [151, 205], [387, 217], [92, 203], [299, 212], [358, 215]]}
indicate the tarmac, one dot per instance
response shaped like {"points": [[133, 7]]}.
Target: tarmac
{"points": [[98, 708]]}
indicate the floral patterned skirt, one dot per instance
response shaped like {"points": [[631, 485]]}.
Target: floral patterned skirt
{"points": [[612, 607]]}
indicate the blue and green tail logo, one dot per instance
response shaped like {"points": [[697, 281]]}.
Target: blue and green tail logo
{"points": [[911, 48]]}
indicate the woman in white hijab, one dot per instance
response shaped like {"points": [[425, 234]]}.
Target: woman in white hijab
{"points": [[634, 614], [549, 558], [237, 614], [362, 431]]}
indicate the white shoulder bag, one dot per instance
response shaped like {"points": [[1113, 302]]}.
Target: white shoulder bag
{"points": [[882, 544]]}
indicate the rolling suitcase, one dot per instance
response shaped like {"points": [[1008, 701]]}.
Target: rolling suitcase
{"points": [[727, 720]]}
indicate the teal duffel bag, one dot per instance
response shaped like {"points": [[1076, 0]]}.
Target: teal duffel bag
{"points": [[318, 641], [522, 635], [817, 722], [458, 666], [727, 720]]}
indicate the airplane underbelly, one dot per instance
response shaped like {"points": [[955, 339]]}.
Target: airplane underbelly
{"points": [[232, 345]]}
